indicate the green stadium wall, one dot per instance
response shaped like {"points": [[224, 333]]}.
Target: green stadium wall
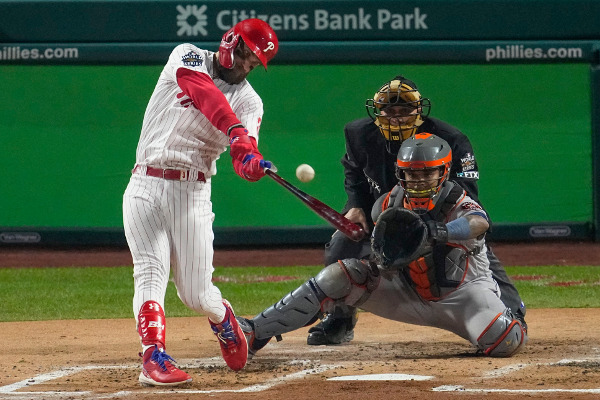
{"points": [[69, 129]]}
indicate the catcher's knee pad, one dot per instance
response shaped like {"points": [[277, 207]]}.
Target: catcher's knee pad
{"points": [[503, 337], [349, 281], [293, 311]]}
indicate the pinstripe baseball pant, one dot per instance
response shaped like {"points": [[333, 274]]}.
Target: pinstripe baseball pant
{"points": [[168, 226]]}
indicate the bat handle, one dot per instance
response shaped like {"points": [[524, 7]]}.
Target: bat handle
{"points": [[272, 169]]}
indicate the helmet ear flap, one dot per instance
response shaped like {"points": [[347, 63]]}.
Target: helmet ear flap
{"points": [[256, 34], [228, 44]]}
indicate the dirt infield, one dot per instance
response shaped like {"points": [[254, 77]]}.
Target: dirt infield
{"points": [[97, 359]]}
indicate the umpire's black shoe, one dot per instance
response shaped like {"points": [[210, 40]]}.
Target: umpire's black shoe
{"points": [[254, 344], [332, 330]]}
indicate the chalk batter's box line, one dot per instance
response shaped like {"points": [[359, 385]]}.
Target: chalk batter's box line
{"points": [[9, 391]]}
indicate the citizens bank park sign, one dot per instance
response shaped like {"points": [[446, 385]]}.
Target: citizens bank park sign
{"points": [[193, 21], [129, 21]]}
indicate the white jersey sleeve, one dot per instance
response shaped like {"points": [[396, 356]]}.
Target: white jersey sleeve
{"points": [[467, 206], [478, 261], [175, 134], [188, 56]]}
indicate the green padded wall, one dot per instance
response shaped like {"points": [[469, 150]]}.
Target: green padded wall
{"points": [[68, 136]]}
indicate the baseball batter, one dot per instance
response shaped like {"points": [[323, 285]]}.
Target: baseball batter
{"points": [[430, 266], [201, 104]]}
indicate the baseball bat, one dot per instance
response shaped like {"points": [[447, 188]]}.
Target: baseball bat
{"points": [[335, 219]]}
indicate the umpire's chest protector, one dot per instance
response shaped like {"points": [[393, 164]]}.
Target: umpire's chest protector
{"points": [[441, 271]]}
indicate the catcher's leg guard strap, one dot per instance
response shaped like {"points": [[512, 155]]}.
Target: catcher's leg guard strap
{"points": [[503, 337], [293, 311]]}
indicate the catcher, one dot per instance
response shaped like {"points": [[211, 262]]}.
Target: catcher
{"points": [[428, 264]]}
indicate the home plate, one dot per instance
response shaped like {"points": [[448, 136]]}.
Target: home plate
{"points": [[382, 377]]}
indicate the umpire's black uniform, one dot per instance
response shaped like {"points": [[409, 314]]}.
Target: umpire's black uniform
{"points": [[369, 169]]}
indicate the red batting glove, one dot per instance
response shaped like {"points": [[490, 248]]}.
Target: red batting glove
{"points": [[254, 167], [247, 160], [241, 144]]}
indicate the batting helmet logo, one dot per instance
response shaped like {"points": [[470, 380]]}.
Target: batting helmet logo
{"points": [[270, 46]]}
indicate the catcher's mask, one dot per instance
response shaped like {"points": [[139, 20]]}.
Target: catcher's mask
{"points": [[256, 34], [398, 109], [427, 159]]}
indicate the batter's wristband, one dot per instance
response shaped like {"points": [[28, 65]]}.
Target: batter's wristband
{"points": [[232, 127]]}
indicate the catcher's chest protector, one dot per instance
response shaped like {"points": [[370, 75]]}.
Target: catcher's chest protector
{"points": [[440, 272], [444, 202]]}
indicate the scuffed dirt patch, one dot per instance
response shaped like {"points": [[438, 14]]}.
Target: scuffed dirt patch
{"points": [[563, 353]]}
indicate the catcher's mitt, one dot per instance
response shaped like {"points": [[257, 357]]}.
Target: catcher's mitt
{"points": [[399, 237]]}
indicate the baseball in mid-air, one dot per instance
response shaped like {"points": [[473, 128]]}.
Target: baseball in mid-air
{"points": [[305, 173]]}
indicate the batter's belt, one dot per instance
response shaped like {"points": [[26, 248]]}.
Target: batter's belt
{"points": [[170, 174]]}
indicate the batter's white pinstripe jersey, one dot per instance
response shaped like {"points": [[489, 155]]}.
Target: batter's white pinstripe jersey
{"points": [[175, 134]]}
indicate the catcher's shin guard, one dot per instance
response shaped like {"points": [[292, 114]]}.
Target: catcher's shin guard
{"points": [[254, 344], [350, 282], [503, 337], [293, 311]]}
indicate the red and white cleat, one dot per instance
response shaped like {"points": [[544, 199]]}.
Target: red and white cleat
{"points": [[232, 339], [158, 370]]}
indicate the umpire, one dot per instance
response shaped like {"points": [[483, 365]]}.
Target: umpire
{"points": [[397, 111]]}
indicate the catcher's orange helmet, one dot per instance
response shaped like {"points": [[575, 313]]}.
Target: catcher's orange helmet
{"points": [[424, 152]]}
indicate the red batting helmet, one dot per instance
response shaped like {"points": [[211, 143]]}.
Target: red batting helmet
{"points": [[258, 36]]}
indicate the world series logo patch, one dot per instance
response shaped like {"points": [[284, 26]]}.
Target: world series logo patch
{"points": [[192, 59], [468, 162]]}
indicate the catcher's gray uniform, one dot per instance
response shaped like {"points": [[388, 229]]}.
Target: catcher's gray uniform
{"points": [[449, 286], [466, 309]]}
